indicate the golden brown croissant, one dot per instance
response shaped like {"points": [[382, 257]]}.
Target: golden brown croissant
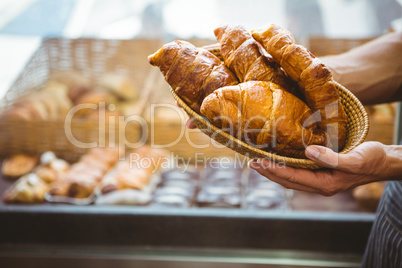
{"points": [[264, 115], [192, 72], [247, 59], [314, 78]]}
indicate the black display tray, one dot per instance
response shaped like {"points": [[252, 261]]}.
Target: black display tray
{"points": [[194, 227]]}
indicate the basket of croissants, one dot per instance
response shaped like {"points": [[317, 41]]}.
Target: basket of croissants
{"points": [[262, 95]]}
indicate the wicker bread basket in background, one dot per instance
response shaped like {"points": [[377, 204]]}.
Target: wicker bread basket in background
{"points": [[90, 57]]}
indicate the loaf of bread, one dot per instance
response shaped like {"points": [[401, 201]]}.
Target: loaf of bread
{"points": [[192, 72], [313, 77], [258, 112]]}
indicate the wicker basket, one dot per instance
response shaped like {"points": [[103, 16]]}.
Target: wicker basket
{"points": [[90, 57], [357, 127], [167, 130]]}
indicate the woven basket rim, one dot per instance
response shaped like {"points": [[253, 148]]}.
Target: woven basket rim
{"points": [[290, 161]]}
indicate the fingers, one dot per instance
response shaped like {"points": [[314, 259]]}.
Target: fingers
{"points": [[262, 167], [189, 123], [323, 156], [325, 182], [327, 158]]}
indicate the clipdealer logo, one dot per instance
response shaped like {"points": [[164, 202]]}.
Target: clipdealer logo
{"points": [[112, 129]]}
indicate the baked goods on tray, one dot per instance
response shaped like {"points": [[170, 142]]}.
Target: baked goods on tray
{"points": [[32, 187], [27, 189], [135, 171], [130, 176], [18, 165], [84, 176], [283, 123]]}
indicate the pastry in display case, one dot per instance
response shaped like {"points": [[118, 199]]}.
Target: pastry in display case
{"points": [[17, 165], [33, 187]]}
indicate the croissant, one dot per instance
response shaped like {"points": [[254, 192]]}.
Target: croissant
{"points": [[264, 115], [313, 77], [192, 72], [245, 57]]}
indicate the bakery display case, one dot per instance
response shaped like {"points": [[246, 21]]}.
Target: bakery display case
{"points": [[79, 206], [220, 217], [123, 183]]}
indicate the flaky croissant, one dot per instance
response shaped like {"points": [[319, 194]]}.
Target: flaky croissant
{"points": [[192, 72], [245, 57], [313, 77], [264, 115]]}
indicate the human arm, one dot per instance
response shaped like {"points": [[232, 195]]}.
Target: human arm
{"points": [[373, 71]]}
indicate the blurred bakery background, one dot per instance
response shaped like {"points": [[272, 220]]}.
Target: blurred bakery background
{"points": [[122, 182]]}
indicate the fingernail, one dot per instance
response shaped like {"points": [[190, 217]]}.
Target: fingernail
{"points": [[188, 123], [253, 164], [312, 152]]}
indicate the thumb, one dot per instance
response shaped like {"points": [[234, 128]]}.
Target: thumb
{"points": [[325, 157]]}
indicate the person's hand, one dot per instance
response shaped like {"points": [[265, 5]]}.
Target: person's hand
{"points": [[366, 163], [189, 123]]}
